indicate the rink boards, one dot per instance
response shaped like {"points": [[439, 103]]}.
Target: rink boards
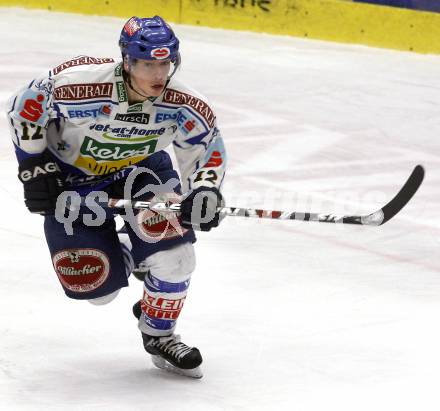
{"points": [[335, 20]]}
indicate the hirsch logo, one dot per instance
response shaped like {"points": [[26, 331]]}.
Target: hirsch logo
{"points": [[82, 269], [161, 53], [83, 91], [141, 118]]}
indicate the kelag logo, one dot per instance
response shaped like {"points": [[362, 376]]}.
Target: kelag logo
{"points": [[110, 151], [105, 158]]}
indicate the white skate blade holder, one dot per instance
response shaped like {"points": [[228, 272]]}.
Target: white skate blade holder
{"points": [[161, 363]]}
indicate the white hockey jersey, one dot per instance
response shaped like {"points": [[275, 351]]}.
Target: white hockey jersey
{"points": [[80, 113]]}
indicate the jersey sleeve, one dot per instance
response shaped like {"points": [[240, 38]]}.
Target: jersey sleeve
{"points": [[29, 112], [201, 158]]}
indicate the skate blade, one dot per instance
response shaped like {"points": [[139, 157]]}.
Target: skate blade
{"points": [[159, 362]]}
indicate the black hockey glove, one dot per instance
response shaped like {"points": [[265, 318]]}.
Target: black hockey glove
{"points": [[199, 209], [42, 182]]}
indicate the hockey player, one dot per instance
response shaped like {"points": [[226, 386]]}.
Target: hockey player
{"points": [[85, 127]]}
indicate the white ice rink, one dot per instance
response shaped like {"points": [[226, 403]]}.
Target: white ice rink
{"points": [[288, 315]]}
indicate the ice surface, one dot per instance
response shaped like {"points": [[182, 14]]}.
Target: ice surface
{"points": [[288, 315]]}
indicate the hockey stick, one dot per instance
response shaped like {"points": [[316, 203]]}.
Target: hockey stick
{"points": [[377, 218]]}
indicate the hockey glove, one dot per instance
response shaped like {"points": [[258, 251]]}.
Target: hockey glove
{"points": [[42, 182], [199, 209]]}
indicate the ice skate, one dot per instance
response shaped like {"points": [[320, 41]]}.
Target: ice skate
{"points": [[170, 354]]}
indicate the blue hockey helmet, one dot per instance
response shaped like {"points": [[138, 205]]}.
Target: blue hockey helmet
{"points": [[149, 39]]}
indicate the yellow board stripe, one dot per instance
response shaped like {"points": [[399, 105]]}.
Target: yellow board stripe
{"points": [[168, 9], [335, 20]]}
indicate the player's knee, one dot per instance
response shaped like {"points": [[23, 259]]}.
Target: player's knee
{"points": [[167, 279], [105, 299], [174, 265]]}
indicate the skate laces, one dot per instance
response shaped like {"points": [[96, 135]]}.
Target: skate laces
{"points": [[171, 345]]}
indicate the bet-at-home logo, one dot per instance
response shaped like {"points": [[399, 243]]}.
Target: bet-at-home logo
{"points": [[104, 158], [132, 133]]}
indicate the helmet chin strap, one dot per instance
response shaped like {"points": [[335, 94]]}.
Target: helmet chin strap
{"points": [[127, 79], [131, 86]]}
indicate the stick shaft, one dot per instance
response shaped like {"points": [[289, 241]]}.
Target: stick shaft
{"points": [[379, 217]]}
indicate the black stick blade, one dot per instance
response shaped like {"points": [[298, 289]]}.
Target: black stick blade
{"points": [[399, 201]]}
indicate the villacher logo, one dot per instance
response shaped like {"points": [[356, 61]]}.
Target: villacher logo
{"points": [[82, 269]]}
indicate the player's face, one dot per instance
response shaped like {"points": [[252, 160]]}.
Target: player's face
{"points": [[150, 76]]}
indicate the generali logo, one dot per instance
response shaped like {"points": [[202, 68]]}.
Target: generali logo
{"points": [[179, 98], [83, 91], [80, 61]]}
